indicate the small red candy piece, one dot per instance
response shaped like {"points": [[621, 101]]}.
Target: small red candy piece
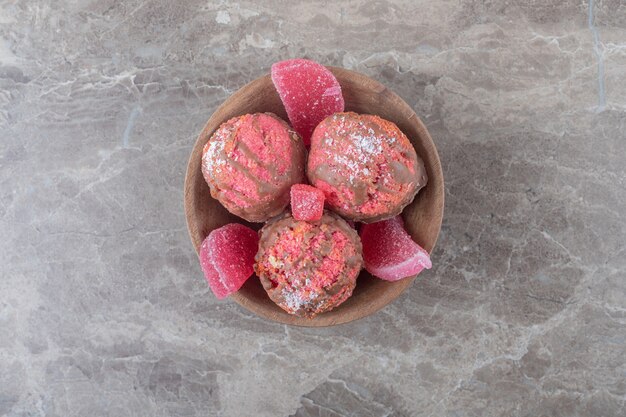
{"points": [[307, 202], [389, 252], [227, 258], [309, 92]]}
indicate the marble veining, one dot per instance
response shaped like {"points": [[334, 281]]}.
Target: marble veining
{"points": [[103, 309], [599, 56]]}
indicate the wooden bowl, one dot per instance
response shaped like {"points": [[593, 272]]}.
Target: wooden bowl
{"points": [[422, 218]]}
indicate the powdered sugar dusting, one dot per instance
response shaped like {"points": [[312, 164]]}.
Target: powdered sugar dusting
{"points": [[296, 300], [352, 165], [367, 145], [211, 159]]}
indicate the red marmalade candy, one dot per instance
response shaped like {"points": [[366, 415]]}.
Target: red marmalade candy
{"points": [[227, 258], [307, 202], [309, 92], [389, 252]]}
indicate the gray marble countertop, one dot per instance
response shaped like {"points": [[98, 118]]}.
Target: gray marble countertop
{"points": [[103, 307]]}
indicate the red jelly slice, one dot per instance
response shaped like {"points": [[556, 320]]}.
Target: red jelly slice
{"points": [[389, 252], [309, 92], [227, 258], [307, 202]]}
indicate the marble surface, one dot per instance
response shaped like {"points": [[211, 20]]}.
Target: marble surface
{"points": [[103, 308]]}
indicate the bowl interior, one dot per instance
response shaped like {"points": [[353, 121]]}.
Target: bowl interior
{"points": [[422, 217]]}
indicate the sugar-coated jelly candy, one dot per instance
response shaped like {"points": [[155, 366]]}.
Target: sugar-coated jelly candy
{"points": [[227, 258], [307, 202], [309, 92], [389, 253]]}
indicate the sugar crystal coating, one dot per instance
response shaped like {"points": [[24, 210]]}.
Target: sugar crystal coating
{"points": [[307, 202], [227, 258], [309, 92], [389, 252]]}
